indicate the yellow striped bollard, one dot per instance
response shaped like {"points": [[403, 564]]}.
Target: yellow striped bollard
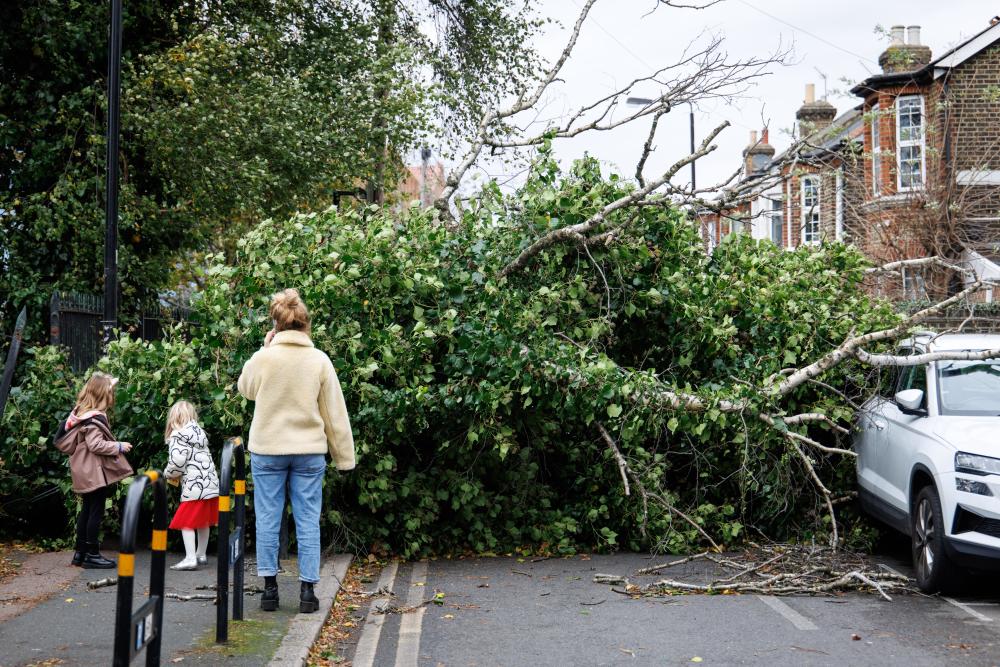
{"points": [[142, 629], [231, 546]]}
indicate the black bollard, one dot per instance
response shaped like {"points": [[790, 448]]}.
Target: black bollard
{"points": [[230, 548], [142, 629]]}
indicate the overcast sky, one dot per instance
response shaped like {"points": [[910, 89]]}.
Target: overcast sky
{"points": [[622, 40]]}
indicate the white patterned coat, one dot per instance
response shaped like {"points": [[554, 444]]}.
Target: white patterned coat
{"points": [[191, 460]]}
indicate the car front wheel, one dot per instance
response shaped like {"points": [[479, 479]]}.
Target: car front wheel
{"points": [[934, 571]]}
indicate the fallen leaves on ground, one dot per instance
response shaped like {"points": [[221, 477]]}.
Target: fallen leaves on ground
{"points": [[342, 626], [8, 565]]}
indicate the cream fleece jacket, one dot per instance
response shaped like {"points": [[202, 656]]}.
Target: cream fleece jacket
{"points": [[299, 407]]}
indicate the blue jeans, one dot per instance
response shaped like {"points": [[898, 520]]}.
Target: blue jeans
{"points": [[304, 475]]}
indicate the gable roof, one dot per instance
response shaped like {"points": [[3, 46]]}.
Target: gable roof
{"points": [[966, 49], [936, 68]]}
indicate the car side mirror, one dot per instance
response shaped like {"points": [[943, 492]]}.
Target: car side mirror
{"points": [[910, 402]]}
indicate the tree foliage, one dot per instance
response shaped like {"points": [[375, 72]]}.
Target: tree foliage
{"points": [[232, 112], [477, 401]]}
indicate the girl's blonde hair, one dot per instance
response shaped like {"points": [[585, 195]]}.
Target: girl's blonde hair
{"points": [[288, 311], [181, 413], [98, 393]]}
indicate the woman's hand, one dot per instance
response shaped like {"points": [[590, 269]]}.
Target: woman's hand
{"points": [[125, 446], [268, 337]]}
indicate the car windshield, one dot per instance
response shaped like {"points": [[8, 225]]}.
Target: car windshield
{"points": [[969, 387]]}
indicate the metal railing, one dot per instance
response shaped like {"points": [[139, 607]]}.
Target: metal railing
{"points": [[231, 546], [142, 628]]}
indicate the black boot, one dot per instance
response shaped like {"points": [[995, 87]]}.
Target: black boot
{"points": [[308, 602], [93, 560], [269, 600], [81, 549]]}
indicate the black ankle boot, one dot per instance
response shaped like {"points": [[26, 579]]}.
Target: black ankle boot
{"points": [[93, 560], [308, 602], [78, 553], [269, 600]]}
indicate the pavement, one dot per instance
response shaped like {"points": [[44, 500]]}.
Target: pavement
{"points": [[49, 616], [511, 612]]}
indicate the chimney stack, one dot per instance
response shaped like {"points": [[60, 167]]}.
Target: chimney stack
{"points": [[906, 55], [757, 155], [814, 115]]}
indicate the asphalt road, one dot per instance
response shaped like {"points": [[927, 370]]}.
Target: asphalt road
{"points": [[503, 612]]}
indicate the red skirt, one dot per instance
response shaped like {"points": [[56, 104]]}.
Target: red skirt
{"points": [[194, 514]]}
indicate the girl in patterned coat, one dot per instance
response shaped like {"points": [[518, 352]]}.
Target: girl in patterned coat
{"points": [[190, 462]]}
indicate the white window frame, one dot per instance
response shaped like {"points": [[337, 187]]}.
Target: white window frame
{"points": [[775, 210], [839, 213], [810, 213], [876, 153], [919, 142]]}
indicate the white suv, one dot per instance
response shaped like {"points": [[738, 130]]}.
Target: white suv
{"points": [[929, 458]]}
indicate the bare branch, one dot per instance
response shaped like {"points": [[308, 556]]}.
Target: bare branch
{"points": [[650, 495], [490, 117], [576, 232], [648, 147], [622, 466], [895, 267], [849, 348], [814, 417], [926, 358]]}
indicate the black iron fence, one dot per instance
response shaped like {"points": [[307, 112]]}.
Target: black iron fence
{"points": [[75, 323]]}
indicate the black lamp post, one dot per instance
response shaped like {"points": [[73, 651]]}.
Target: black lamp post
{"points": [[110, 321]]}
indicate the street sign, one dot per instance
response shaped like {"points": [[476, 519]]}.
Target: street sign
{"points": [[145, 624], [235, 546], [15, 347]]}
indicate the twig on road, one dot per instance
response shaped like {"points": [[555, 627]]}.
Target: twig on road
{"points": [[663, 566], [192, 596], [101, 583]]}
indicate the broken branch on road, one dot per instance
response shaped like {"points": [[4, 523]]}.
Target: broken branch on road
{"points": [[780, 569]]}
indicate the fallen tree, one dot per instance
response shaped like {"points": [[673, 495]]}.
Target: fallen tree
{"points": [[559, 367]]}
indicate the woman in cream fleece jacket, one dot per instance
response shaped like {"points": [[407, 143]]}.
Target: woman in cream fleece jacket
{"points": [[299, 415]]}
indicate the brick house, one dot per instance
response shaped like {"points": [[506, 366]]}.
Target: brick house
{"points": [[912, 171]]}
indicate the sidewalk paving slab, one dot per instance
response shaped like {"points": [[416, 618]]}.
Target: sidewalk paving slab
{"points": [[76, 625]]}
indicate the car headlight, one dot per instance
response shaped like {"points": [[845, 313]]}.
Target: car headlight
{"points": [[977, 465]]}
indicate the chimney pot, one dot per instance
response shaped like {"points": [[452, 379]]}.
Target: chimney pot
{"points": [[765, 139], [896, 32], [913, 35], [753, 136], [810, 93]]}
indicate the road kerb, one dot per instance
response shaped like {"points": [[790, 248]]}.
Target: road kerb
{"points": [[305, 628]]}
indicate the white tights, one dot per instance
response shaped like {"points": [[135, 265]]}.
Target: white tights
{"points": [[190, 553]]}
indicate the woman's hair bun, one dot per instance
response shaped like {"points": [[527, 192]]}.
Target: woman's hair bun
{"points": [[289, 312]]}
